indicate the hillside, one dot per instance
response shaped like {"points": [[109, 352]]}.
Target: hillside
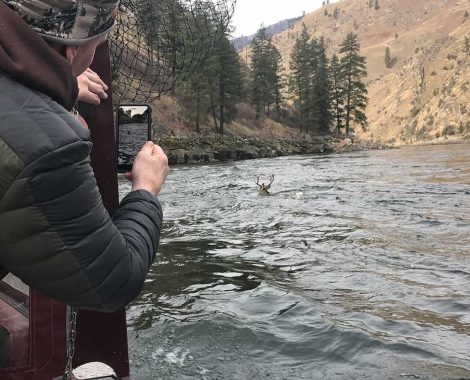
{"points": [[426, 93], [424, 96]]}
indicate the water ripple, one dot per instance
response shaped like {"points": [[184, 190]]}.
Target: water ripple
{"points": [[357, 267]]}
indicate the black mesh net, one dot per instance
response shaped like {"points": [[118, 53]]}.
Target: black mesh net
{"points": [[156, 44]]}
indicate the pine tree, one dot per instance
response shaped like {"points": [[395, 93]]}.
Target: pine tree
{"points": [[244, 85], [162, 24], [259, 80], [265, 72], [299, 82], [313, 114], [230, 81], [193, 94], [310, 84], [275, 80], [198, 92], [338, 91], [388, 58], [467, 45], [322, 99], [215, 88], [354, 69]]}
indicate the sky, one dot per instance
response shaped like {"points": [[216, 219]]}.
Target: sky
{"points": [[250, 14], [135, 109]]}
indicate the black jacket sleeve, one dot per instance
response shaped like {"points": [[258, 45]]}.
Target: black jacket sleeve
{"points": [[62, 241]]}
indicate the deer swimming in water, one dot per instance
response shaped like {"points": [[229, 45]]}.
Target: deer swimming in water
{"points": [[262, 188]]}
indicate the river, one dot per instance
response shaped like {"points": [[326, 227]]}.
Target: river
{"points": [[356, 267]]}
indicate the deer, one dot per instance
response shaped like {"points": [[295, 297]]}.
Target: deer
{"points": [[262, 188]]}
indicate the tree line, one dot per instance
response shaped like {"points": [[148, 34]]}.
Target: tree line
{"points": [[216, 88], [327, 93]]}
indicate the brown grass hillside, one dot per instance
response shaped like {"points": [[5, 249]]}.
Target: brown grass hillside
{"points": [[426, 94]]}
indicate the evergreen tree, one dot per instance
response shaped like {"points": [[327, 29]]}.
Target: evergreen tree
{"points": [[338, 91], [259, 80], [198, 91], [214, 88], [310, 84], [244, 85], [194, 95], [322, 99], [164, 24], [376, 5], [388, 58], [299, 82], [467, 45], [354, 70], [161, 25], [265, 74], [313, 114], [275, 80], [230, 81]]}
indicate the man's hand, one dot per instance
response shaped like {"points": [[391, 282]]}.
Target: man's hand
{"points": [[91, 89], [150, 169]]}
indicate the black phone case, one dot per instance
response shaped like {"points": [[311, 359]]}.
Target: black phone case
{"points": [[125, 168]]}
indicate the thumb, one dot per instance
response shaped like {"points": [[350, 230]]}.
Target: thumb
{"points": [[148, 147], [156, 150]]}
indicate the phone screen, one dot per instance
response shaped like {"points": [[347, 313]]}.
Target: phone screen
{"points": [[133, 131]]}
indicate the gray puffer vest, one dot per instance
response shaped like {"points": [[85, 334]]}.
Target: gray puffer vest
{"points": [[55, 233]]}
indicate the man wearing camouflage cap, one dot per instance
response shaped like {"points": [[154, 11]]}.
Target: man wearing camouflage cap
{"points": [[55, 233]]}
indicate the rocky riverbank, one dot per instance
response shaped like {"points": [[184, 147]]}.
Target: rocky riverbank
{"points": [[206, 149]]}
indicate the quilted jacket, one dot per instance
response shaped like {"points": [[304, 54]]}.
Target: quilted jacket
{"points": [[55, 233]]}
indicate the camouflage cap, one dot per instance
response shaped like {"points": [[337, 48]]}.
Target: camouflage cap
{"points": [[70, 22]]}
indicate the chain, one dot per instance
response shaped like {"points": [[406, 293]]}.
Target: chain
{"points": [[72, 334]]}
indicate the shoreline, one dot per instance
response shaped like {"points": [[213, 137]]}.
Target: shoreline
{"points": [[440, 141], [213, 149]]}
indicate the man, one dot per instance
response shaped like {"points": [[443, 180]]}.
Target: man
{"points": [[55, 233]]}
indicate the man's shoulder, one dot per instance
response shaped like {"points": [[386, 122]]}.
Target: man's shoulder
{"points": [[32, 124]]}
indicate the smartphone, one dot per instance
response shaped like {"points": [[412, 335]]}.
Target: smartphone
{"points": [[134, 124]]}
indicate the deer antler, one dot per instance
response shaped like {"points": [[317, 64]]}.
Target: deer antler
{"points": [[271, 180], [257, 180]]}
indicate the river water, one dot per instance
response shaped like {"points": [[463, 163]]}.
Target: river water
{"points": [[356, 267]]}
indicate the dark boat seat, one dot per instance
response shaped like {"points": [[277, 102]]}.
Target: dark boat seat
{"points": [[14, 334], [5, 347]]}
